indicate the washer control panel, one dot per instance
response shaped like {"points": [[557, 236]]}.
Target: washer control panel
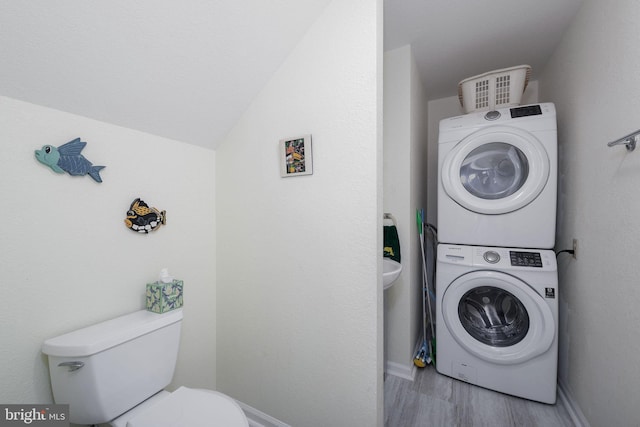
{"points": [[492, 257], [525, 259]]}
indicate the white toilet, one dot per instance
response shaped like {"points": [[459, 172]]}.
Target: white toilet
{"points": [[115, 372]]}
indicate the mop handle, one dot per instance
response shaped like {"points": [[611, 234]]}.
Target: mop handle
{"points": [[425, 277]]}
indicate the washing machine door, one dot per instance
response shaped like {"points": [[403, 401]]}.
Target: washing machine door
{"points": [[497, 317], [496, 170]]}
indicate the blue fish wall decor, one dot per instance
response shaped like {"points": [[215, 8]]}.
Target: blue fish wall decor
{"points": [[67, 158]]}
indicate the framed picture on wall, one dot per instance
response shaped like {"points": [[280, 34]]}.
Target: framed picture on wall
{"points": [[296, 156]]}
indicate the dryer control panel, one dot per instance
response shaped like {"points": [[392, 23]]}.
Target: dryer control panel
{"points": [[529, 110], [539, 117]]}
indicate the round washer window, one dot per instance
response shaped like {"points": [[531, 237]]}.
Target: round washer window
{"points": [[494, 170], [493, 316]]}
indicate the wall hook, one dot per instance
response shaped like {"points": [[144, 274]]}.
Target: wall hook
{"points": [[628, 141]]}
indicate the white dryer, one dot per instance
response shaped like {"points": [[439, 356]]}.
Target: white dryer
{"points": [[497, 178], [497, 319]]}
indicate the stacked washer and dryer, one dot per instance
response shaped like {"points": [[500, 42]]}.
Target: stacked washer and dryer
{"points": [[496, 275]]}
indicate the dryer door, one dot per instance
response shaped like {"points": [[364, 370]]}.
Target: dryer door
{"points": [[497, 317], [496, 170]]}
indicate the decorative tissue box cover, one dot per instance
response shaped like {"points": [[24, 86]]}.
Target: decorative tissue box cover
{"points": [[162, 297]]}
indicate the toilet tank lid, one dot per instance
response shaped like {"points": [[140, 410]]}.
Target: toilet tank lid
{"points": [[102, 336]]}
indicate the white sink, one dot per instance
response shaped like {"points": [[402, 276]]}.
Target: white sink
{"points": [[390, 271]]}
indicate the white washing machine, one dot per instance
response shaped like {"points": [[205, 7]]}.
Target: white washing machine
{"points": [[497, 178], [497, 319]]}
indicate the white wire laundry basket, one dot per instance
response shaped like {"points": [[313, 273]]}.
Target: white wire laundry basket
{"points": [[498, 88]]}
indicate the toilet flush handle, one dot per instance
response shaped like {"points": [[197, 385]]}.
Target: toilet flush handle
{"points": [[73, 366]]}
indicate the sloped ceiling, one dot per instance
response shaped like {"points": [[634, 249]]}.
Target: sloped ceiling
{"points": [[183, 69], [188, 69]]}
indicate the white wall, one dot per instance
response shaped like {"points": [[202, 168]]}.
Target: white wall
{"points": [[299, 259], [405, 182], [593, 79], [66, 257]]}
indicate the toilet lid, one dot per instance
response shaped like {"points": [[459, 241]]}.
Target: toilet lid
{"points": [[193, 408]]}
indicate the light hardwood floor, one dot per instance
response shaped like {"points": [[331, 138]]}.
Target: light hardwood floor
{"points": [[434, 400]]}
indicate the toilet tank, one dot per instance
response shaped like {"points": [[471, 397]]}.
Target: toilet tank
{"points": [[104, 370]]}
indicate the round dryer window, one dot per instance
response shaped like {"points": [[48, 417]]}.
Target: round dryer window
{"points": [[497, 317], [496, 170]]}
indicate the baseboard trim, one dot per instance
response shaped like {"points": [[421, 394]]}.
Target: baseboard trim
{"points": [[572, 407], [400, 371], [258, 418]]}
